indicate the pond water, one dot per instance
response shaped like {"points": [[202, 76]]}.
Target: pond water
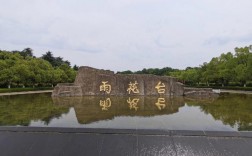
{"points": [[229, 112]]}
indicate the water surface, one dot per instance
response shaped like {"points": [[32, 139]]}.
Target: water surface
{"points": [[229, 112]]}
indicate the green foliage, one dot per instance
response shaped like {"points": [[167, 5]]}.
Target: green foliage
{"points": [[23, 69], [75, 67], [155, 71], [54, 61], [125, 72], [228, 67], [232, 110], [220, 71], [28, 109]]}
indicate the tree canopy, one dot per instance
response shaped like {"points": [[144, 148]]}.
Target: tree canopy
{"points": [[235, 68], [22, 68]]}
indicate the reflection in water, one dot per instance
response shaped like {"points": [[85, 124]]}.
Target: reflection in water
{"points": [[105, 104], [21, 109], [228, 112], [231, 109], [91, 109], [133, 103], [160, 103]]}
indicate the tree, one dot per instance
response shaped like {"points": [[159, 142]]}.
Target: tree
{"points": [[48, 56], [242, 69], [22, 68], [27, 52], [212, 73], [54, 61], [41, 71], [75, 67], [125, 72], [21, 73], [249, 67], [226, 67], [69, 72], [242, 55]]}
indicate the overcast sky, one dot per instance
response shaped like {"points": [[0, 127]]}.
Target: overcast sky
{"points": [[127, 34]]}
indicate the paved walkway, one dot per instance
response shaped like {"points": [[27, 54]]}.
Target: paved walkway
{"points": [[27, 92], [111, 142], [235, 91]]}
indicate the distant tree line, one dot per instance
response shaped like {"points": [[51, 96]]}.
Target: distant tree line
{"points": [[22, 68], [225, 70], [154, 71]]}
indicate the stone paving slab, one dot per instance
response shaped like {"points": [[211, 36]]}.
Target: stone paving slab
{"points": [[156, 145], [193, 146], [119, 144], [246, 134], [80, 141], [231, 146]]}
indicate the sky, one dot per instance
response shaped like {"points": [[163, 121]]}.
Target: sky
{"points": [[127, 34]]}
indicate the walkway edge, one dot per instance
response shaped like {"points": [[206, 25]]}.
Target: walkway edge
{"points": [[26, 92], [189, 133]]}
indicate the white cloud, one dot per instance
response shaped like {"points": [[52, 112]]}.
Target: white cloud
{"points": [[127, 34]]}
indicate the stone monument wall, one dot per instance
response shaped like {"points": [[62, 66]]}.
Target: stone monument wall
{"points": [[91, 81]]}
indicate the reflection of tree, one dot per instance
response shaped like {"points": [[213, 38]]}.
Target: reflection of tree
{"points": [[21, 109], [231, 109]]}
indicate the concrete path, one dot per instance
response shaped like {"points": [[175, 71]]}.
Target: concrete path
{"points": [[110, 142], [27, 92], [235, 91]]}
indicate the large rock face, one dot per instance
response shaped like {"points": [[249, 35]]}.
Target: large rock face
{"points": [[91, 81]]}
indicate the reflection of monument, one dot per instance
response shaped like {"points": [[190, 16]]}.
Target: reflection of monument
{"points": [[90, 81], [90, 109]]}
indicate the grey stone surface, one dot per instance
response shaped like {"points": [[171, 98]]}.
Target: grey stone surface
{"points": [[230, 146], [89, 80], [48, 143], [77, 141], [84, 144], [16, 143], [156, 145], [199, 92], [193, 146], [187, 133], [245, 134], [153, 132], [118, 144], [222, 133]]}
